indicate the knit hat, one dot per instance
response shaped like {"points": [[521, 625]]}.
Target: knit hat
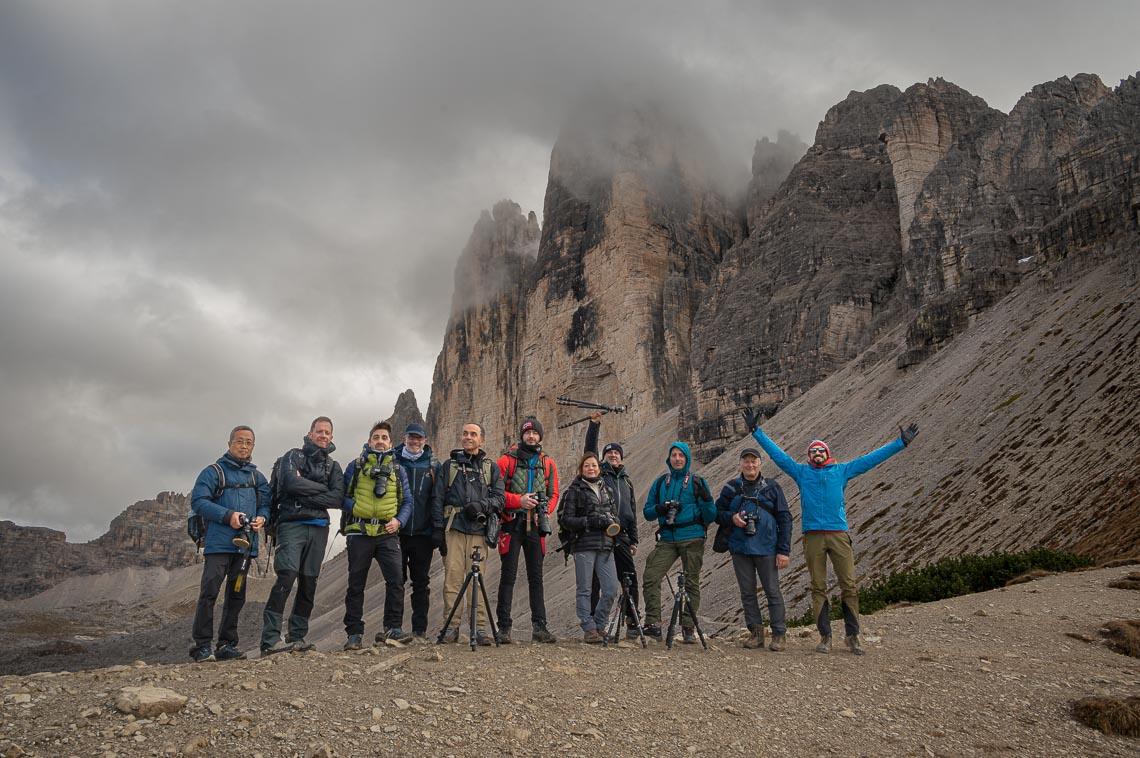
{"points": [[819, 444], [613, 446], [531, 423]]}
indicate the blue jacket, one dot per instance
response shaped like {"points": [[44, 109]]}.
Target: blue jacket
{"points": [[773, 533], [697, 507], [421, 476], [245, 486], [821, 489]]}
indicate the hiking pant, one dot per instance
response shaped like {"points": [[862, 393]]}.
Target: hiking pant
{"points": [[456, 564], [623, 562], [818, 547], [664, 555], [218, 568], [297, 557], [416, 552], [362, 550], [746, 568], [530, 545], [590, 565]]}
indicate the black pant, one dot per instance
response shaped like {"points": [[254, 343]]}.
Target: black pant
{"points": [[417, 552], [217, 569], [385, 549], [623, 562], [531, 547]]}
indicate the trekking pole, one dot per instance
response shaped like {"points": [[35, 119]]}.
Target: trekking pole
{"points": [[578, 421]]}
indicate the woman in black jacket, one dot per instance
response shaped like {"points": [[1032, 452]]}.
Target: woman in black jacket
{"points": [[586, 510]]}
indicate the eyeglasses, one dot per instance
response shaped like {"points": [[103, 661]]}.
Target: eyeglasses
{"points": [[242, 443]]}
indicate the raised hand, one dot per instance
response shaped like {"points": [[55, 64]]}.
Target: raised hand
{"points": [[908, 434], [751, 419]]}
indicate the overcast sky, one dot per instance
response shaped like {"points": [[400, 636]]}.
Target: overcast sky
{"points": [[226, 212]]}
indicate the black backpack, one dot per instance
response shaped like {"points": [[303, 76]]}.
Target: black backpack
{"points": [[196, 525]]}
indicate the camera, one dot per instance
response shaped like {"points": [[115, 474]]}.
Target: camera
{"points": [[749, 524], [613, 527], [244, 537], [671, 509], [380, 476], [541, 513]]}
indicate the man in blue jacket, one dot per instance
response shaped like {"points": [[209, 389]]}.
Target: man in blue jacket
{"points": [[822, 481], [421, 467], [683, 507], [226, 494], [755, 509]]}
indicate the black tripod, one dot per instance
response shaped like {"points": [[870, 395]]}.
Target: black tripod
{"points": [[623, 606], [681, 603], [474, 578]]}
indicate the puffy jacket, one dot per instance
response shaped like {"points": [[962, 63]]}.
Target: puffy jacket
{"points": [[421, 475], [515, 467], [358, 520], [697, 507], [620, 487], [319, 487], [468, 495], [821, 489], [578, 504], [247, 491], [773, 532]]}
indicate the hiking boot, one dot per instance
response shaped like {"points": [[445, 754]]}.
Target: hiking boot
{"points": [[504, 635], [420, 638], [396, 634], [202, 654], [652, 630], [779, 642], [688, 635], [855, 645], [451, 635], [482, 639], [824, 645], [592, 637], [755, 639], [354, 642], [278, 647], [542, 634], [633, 632], [227, 651], [301, 646]]}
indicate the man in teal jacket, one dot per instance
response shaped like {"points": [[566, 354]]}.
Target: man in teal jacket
{"points": [[681, 535], [822, 481]]}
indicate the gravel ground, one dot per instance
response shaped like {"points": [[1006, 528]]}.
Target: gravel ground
{"points": [[986, 674]]}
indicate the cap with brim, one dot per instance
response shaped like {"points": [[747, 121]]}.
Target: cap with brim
{"points": [[749, 451], [416, 429]]}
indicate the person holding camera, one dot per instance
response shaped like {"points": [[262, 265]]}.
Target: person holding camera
{"points": [[531, 494], [466, 502], [822, 482], [310, 482], [683, 507], [377, 502], [617, 481], [232, 498], [587, 513], [760, 541], [421, 468]]}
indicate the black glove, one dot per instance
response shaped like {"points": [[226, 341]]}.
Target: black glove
{"points": [[662, 509], [596, 522], [439, 540], [751, 419], [472, 511], [908, 434]]}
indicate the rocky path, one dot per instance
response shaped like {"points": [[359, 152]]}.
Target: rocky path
{"points": [[986, 674]]}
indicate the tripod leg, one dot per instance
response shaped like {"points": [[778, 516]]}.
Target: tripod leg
{"points": [[490, 616], [454, 608], [612, 623], [637, 620], [696, 623], [671, 633], [474, 607]]}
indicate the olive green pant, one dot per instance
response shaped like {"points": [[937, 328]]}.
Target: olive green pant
{"points": [[818, 547], [664, 555]]}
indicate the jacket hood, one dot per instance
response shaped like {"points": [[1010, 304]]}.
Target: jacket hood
{"points": [[398, 451], [684, 448], [309, 448], [230, 460]]}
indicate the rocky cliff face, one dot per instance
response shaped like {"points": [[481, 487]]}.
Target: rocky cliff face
{"points": [[148, 533], [921, 208], [632, 234], [407, 411]]}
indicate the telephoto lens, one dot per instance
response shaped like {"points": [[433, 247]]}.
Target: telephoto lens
{"points": [[749, 525]]}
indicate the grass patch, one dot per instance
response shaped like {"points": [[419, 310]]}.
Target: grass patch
{"points": [[1130, 582], [1123, 637], [1111, 715], [1008, 401], [951, 577]]}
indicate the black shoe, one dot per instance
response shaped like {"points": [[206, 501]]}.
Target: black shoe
{"points": [[278, 647], [300, 645], [633, 632], [482, 639], [542, 634], [227, 651], [688, 635], [354, 642], [202, 654], [451, 636], [652, 630], [504, 635], [396, 634]]}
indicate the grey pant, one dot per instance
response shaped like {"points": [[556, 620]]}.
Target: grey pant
{"points": [[747, 567], [586, 564]]}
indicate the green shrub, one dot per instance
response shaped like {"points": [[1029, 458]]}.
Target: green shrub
{"points": [[951, 577]]}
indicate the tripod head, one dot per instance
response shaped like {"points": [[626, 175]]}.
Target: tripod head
{"points": [[476, 559]]}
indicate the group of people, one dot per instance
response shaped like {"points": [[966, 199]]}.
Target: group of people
{"points": [[400, 504]]}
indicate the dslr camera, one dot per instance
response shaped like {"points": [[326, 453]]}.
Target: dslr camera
{"points": [[749, 524], [671, 509], [380, 476], [244, 537], [541, 513]]}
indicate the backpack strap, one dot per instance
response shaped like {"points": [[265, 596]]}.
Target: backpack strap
{"points": [[221, 483]]}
